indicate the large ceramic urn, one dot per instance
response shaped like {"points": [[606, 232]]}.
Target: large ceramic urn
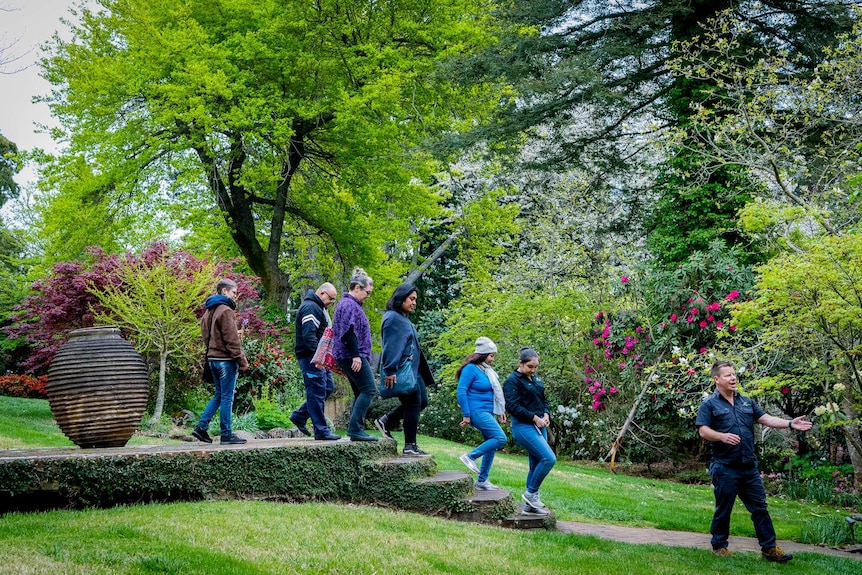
{"points": [[97, 388]]}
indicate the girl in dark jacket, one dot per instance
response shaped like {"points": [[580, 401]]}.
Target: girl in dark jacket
{"points": [[526, 403]]}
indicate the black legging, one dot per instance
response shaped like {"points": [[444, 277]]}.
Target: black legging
{"points": [[409, 410]]}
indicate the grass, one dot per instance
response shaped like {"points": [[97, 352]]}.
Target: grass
{"points": [[29, 423], [255, 537]]}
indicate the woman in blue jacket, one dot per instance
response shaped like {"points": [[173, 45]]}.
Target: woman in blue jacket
{"points": [[481, 397], [526, 403], [400, 344]]}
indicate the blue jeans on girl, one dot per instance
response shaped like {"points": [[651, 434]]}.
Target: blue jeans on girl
{"points": [[494, 438], [542, 458]]}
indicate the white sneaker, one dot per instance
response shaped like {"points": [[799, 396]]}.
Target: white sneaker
{"points": [[485, 486], [470, 463], [532, 499]]}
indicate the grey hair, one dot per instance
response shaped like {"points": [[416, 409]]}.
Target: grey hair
{"points": [[359, 278]]}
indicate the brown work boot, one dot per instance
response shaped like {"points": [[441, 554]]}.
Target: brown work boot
{"points": [[776, 555], [722, 552]]}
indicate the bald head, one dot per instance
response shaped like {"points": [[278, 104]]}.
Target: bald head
{"points": [[327, 293]]}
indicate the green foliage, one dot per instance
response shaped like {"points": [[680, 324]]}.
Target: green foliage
{"points": [[10, 165], [272, 375], [267, 411], [811, 296], [442, 418], [829, 531], [156, 302], [302, 121]]}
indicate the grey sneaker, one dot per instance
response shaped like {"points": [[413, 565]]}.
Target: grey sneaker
{"points": [[470, 463], [535, 510], [532, 500], [412, 450], [485, 486]]}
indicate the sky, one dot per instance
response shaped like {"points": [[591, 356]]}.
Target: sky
{"points": [[24, 26]]}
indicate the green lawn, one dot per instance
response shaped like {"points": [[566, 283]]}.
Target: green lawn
{"points": [[251, 537]]}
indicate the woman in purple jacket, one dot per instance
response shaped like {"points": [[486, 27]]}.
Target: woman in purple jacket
{"points": [[352, 350]]}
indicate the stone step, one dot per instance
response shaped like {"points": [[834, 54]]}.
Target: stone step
{"points": [[498, 508], [521, 520], [432, 494]]}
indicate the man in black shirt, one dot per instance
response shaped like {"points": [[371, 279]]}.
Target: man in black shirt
{"points": [[726, 419]]}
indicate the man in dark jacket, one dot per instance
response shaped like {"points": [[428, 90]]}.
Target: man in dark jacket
{"points": [[311, 320], [225, 358]]}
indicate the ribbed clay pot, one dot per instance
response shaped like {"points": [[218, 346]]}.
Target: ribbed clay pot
{"points": [[97, 388]]}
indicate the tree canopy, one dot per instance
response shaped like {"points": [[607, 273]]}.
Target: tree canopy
{"points": [[299, 121]]}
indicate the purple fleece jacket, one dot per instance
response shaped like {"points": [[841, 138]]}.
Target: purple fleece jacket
{"points": [[349, 314]]}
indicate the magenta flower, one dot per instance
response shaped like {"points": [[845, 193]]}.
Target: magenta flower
{"points": [[702, 350], [693, 311], [719, 324], [732, 295], [710, 318], [733, 328], [672, 317], [613, 390], [689, 319], [702, 323], [785, 390], [597, 341], [624, 279]]}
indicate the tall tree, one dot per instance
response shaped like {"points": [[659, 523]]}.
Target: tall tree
{"points": [[299, 119], [593, 88]]}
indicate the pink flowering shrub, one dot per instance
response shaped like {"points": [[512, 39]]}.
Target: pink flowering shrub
{"points": [[667, 328]]}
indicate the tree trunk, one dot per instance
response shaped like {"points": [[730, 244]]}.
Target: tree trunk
{"points": [[160, 394], [853, 438], [417, 272]]}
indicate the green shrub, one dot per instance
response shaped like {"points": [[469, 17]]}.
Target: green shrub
{"points": [[268, 412], [270, 366], [829, 531]]}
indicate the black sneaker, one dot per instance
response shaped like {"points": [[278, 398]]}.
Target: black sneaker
{"points": [[412, 450], [232, 439], [301, 427], [202, 435], [328, 436], [380, 424]]}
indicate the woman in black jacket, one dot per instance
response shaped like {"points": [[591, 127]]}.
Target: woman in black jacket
{"points": [[525, 402]]}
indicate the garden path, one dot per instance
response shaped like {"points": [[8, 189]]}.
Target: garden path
{"points": [[646, 535]]}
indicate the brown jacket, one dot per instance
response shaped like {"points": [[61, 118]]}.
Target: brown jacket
{"points": [[224, 343]]}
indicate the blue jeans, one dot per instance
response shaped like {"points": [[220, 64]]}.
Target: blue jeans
{"points": [[318, 386], [727, 483], [494, 438], [364, 390], [224, 374], [542, 458]]}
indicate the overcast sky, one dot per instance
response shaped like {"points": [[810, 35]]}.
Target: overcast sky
{"points": [[24, 26]]}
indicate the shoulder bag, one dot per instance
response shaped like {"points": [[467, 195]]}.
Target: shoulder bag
{"points": [[405, 379]]}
